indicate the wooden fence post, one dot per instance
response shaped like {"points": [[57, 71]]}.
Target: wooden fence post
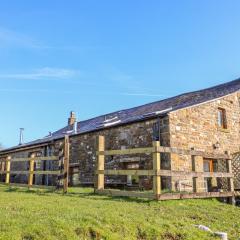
{"points": [[156, 169], [66, 164], [100, 163], [197, 166], [8, 167], [31, 170]]}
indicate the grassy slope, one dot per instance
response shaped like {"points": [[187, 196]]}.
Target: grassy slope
{"points": [[82, 215]]}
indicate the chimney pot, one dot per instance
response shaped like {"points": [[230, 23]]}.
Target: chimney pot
{"points": [[72, 118]]}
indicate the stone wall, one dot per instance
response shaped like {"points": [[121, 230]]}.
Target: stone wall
{"points": [[83, 149], [84, 146], [197, 127]]}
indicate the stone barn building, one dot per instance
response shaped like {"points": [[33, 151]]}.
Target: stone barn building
{"points": [[207, 120]]}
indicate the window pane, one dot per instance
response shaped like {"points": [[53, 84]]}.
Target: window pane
{"points": [[156, 131], [206, 166], [222, 120]]}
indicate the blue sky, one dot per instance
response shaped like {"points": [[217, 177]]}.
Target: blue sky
{"points": [[95, 57]]}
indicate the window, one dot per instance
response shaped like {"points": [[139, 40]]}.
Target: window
{"points": [[193, 163], [222, 119], [210, 165], [156, 131], [207, 166]]}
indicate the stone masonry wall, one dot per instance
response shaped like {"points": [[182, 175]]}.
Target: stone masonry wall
{"points": [[197, 127], [83, 152], [83, 148]]}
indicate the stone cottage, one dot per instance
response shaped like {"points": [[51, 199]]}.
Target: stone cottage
{"points": [[207, 120]]}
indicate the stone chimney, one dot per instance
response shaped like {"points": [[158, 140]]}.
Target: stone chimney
{"points": [[72, 119]]}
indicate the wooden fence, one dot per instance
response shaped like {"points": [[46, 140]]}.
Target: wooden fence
{"points": [[156, 172], [61, 173]]}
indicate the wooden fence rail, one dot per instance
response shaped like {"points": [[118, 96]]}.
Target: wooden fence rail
{"points": [[165, 173], [62, 173], [156, 172], [162, 149]]}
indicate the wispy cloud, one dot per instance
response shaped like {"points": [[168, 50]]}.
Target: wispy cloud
{"points": [[70, 91], [14, 38], [34, 90], [129, 84], [116, 83], [123, 80], [43, 73], [144, 94], [20, 90]]}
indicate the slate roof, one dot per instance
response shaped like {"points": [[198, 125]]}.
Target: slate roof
{"points": [[142, 112]]}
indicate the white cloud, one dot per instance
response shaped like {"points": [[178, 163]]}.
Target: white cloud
{"points": [[43, 73]]}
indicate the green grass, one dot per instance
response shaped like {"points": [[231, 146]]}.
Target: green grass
{"points": [[82, 215]]}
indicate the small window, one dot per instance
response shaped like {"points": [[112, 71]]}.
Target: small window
{"points": [[207, 166], [222, 119], [156, 132], [193, 163], [210, 165]]}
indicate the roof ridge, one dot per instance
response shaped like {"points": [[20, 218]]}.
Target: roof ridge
{"points": [[176, 96]]}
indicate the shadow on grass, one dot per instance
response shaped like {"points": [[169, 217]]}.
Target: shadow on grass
{"points": [[95, 196], [85, 193], [80, 193], [76, 192], [20, 189]]}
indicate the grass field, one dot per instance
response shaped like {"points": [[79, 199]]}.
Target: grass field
{"points": [[80, 214]]}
